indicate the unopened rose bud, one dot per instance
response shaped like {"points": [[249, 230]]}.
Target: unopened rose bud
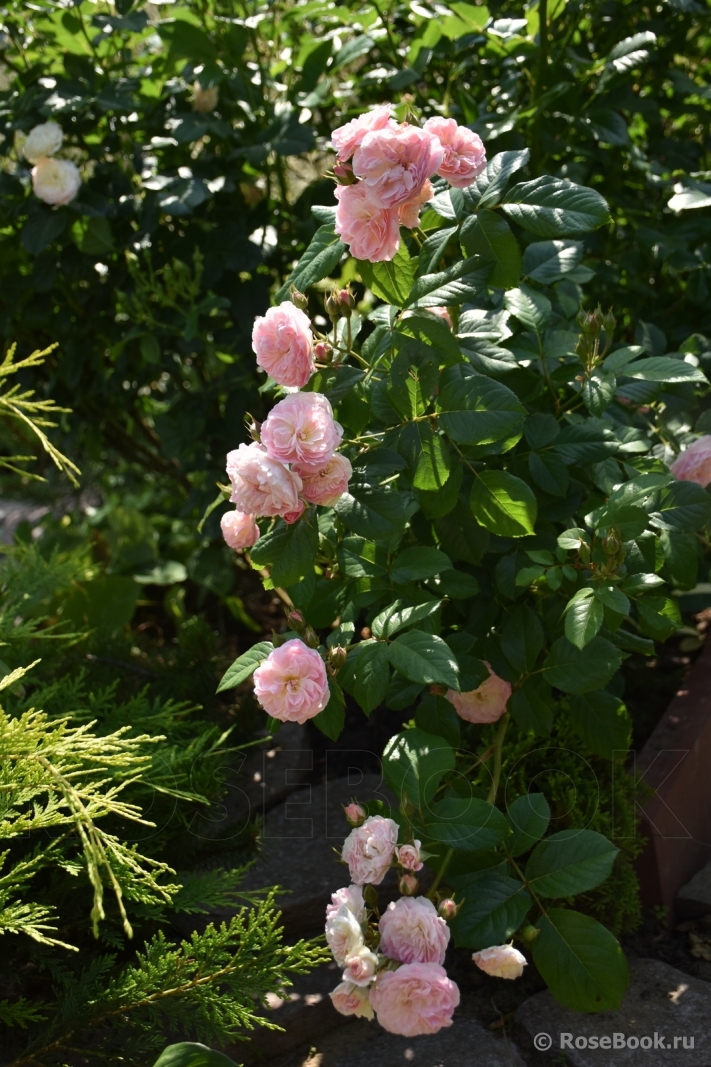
{"points": [[344, 174], [337, 657], [299, 300], [296, 619], [310, 637], [609, 323], [355, 815], [332, 306], [408, 885], [611, 545], [205, 100], [528, 933], [346, 302], [590, 322], [447, 909], [253, 427], [323, 352]]}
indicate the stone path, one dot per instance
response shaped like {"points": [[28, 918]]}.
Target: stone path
{"points": [[660, 1000]]}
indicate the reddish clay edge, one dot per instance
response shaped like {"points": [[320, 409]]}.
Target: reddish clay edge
{"points": [[676, 764]]}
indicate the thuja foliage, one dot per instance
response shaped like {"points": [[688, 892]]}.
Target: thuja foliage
{"points": [[511, 510]]}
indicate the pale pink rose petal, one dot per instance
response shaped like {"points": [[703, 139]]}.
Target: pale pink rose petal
{"points": [[301, 429], [409, 212], [326, 485], [291, 684], [501, 961], [464, 153], [348, 137], [694, 464], [343, 934], [371, 232], [361, 967], [56, 181], [350, 999], [262, 485], [239, 530], [409, 856], [283, 343], [443, 314], [485, 704], [411, 931], [395, 164], [352, 897], [417, 998], [369, 850]]}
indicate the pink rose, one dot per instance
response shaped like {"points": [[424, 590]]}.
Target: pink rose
{"points": [[371, 232], [326, 485], [361, 967], [291, 684], [409, 212], [343, 934], [501, 961], [351, 999], [283, 342], [368, 850], [417, 998], [485, 704], [464, 153], [301, 429], [352, 897], [411, 931], [355, 815], [347, 138], [694, 464], [443, 314], [395, 164], [261, 485], [409, 856], [239, 530]]}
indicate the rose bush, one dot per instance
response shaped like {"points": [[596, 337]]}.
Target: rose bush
{"points": [[503, 541]]}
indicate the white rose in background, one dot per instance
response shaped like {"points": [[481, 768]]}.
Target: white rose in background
{"points": [[42, 141], [56, 181]]}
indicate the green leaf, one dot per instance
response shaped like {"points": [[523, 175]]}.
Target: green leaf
{"points": [[581, 671], [374, 512], [392, 280], [399, 615], [493, 908], [191, 1054], [461, 536], [531, 706], [245, 665], [684, 506], [619, 359], [601, 720], [372, 675], [331, 720], [415, 564], [599, 390], [289, 550], [437, 715], [432, 250], [487, 235], [580, 961], [549, 472], [613, 598], [476, 410], [570, 862], [414, 763], [555, 207], [548, 261], [530, 307], [458, 283], [541, 430], [659, 616], [522, 638], [93, 236], [664, 369], [467, 824], [529, 816], [503, 504], [433, 331], [491, 183], [320, 258], [583, 618], [436, 504], [433, 460], [424, 658], [42, 227], [457, 585]]}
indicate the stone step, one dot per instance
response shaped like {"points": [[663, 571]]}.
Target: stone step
{"points": [[660, 1000]]}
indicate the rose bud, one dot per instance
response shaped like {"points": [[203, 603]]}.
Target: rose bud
{"points": [[344, 174], [346, 302], [337, 657], [408, 885], [296, 619], [355, 815], [333, 306], [311, 637], [299, 300], [323, 352], [447, 909]]}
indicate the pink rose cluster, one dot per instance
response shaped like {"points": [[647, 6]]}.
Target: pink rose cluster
{"points": [[694, 464], [295, 463], [389, 175], [392, 968]]}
